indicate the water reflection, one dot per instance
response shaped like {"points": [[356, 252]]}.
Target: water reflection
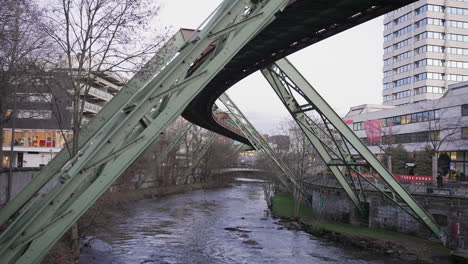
{"points": [[229, 225]]}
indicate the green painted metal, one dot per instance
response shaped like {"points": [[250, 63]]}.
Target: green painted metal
{"points": [[78, 188], [257, 140], [401, 197], [311, 131], [152, 67], [200, 155]]}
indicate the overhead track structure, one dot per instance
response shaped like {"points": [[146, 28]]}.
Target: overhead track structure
{"points": [[258, 142], [335, 142], [186, 78]]}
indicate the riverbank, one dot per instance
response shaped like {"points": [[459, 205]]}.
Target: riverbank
{"points": [[61, 253], [404, 247]]}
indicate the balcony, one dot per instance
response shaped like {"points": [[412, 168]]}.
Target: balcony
{"points": [[99, 94], [91, 108]]}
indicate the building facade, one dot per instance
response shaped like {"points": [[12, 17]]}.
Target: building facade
{"points": [[44, 114], [425, 50], [441, 124]]}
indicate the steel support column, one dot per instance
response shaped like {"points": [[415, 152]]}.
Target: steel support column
{"points": [[285, 79], [257, 141], [39, 217]]}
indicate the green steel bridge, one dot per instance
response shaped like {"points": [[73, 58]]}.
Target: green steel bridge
{"points": [[237, 39]]}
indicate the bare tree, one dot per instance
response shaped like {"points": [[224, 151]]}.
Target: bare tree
{"points": [[101, 36], [300, 157], [22, 46]]}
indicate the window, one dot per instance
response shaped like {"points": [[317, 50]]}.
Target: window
{"points": [[457, 78], [402, 56], [457, 37], [35, 97], [388, 37], [412, 118], [429, 21], [34, 114], [457, 51], [388, 61], [402, 31], [401, 82], [464, 133], [457, 64], [457, 11], [388, 85], [403, 18], [465, 110], [402, 44], [387, 49], [457, 24], [429, 34], [401, 69], [358, 126], [432, 8]]}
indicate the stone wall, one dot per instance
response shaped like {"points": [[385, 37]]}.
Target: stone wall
{"points": [[333, 203]]}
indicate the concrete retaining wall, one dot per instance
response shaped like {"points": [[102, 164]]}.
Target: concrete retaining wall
{"points": [[451, 213]]}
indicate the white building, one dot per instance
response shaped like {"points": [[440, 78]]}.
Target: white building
{"points": [[443, 122], [425, 50]]}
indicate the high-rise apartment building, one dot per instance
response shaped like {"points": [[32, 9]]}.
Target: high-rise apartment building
{"points": [[425, 50]]}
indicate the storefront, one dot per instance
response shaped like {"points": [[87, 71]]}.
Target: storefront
{"points": [[458, 165], [36, 138]]}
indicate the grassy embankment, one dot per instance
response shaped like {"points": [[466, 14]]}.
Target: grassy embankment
{"points": [[381, 240]]}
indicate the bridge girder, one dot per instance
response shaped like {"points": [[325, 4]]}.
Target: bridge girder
{"points": [[126, 126], [37, 220], [290, 86]]}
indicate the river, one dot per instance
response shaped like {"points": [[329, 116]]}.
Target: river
{"points": [[191, 228]]}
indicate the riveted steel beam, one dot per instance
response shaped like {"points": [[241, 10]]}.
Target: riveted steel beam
{"points": [[401, 196], [312, 131], [257, 141], [81, 188]]}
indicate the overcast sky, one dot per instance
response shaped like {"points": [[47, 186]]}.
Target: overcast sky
{"points": [[346, 69]]}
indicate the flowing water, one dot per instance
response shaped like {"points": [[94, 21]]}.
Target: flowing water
{"points": [[227, 225]]}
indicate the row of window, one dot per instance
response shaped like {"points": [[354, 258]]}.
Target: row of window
{"points": [[399, 95], [411, 118], [34, 97], [425, 8], [423, 22], [426, 48], [416, 91], [427, 62], [418, 137], [404, 119], [398, 33], [426, 76], [429, 89], [424, 35], [34, 114], [402, 69], [431, 8]]}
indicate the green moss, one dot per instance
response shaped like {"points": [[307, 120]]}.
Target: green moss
{"points": [[283, 205]]}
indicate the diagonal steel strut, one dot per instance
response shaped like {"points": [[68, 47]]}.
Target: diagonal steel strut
{"points": [[143, 111], [284, 79], [258, 141]]}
